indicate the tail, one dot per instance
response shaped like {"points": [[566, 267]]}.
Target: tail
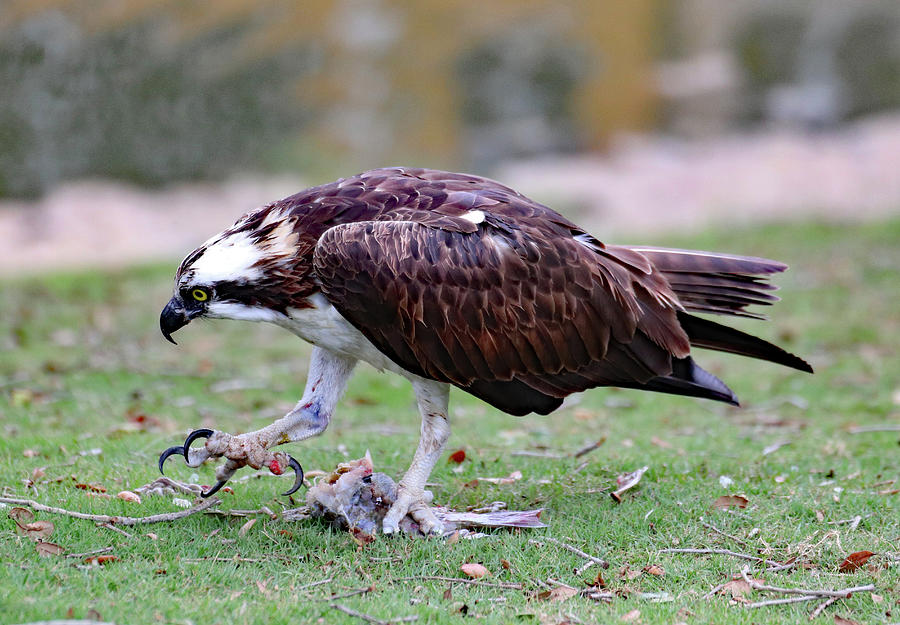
{"points": [[722, 284]]}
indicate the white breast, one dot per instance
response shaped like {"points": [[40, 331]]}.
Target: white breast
{"points": [[324, 326]]}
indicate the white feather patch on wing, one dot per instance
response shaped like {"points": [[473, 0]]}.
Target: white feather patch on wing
{"points": [[475, 216], [231, 258]]}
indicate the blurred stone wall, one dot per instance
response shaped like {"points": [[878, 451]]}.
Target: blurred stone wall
{"points": [[151, 91]]}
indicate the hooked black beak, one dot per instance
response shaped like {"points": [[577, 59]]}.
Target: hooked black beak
{"points": [[173, 317]]}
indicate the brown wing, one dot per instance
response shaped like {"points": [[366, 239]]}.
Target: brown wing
{"points": [[517, 311]]}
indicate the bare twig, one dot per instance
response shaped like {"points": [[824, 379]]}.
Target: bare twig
{"points": [[863, 429], [762, 604], [806, 592], [726, 552], [603, 563], [537, 454], [462, 580], [314, 584], [352, 593], [96, 552], [821, 607], [718, 531], [589, 448], [371, 619], [112, 527], [115, 520], [584, 567], [854, 521]]}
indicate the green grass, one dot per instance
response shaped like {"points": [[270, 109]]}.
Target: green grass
{"points": [[80, 353]]}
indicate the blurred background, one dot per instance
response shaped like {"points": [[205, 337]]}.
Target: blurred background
{"points": [[131, 130]]}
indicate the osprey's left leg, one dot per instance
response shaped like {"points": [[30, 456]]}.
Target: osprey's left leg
{"points": [[328, 376], [431, 397]]}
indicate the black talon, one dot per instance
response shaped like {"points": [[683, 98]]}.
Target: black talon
{"points": [[298, 479], [178, 449], [201, 433], [214, 489]]}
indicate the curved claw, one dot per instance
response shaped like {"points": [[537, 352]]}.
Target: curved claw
{"points": [[298, 476], [171, 451], [201, 433], [214, 489]]}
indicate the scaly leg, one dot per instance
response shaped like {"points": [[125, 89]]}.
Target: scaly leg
{"points": [[328, 376], [431, 397]]}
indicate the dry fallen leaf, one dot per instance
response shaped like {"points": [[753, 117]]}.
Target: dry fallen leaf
{"points": [[21, 515], [731, 501], [46, 549], [93, 488], [840, 620], [361, 538], [38, 530], [101, 560], [737, 588], [854, 561], [246, 527], [457, 456], [127, 495], [474, 570], [632, 617], [654, 569], [559, 593]]}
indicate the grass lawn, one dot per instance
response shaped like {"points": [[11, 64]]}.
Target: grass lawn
{"points": [[90, 393]]}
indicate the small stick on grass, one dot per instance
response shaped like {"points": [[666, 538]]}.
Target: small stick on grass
{"points": [[589, 448], [603, 563], [725, 552], [115, 520], [718, 531], [371, 619], [112, 527], [864, 429], [352, 593], [314, 584], [806, 592], [462, 580], [767, 602], [96, 552], [821, 607]]}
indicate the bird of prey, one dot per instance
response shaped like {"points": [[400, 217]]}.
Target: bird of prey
{"points": [[453, 279]]}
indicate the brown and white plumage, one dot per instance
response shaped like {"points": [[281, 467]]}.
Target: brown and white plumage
{"points": [[455, 279]]}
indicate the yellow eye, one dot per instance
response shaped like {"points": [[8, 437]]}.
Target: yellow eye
{"points": [[200, 295]]}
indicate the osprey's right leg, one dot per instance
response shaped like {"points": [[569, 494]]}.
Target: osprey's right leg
{"points": [[432, 399], [328, 376]]}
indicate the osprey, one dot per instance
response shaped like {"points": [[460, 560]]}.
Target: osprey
{"points": [[452, 279]]}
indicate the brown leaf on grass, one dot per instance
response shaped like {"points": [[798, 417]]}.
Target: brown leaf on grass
{"points": [[21, 515], [474, 570], [730, 501], [361, 538], [599, 582], [627, 481], [662, 444], [46, 549], [632, 617], [840, 620], [127, 495], [654, 569], [505, 564], [854, 561], [629, 574], [737, 588], [448, 594], [38, 530], [457, 456], [558, 593], [100, 560], [93, 488], [246, 527]]}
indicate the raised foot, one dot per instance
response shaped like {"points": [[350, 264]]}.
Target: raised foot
{"points": [[240, 451], [413, 504]]}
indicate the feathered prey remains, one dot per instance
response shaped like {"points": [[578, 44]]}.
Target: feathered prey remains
{"points": [[452, 279]]}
